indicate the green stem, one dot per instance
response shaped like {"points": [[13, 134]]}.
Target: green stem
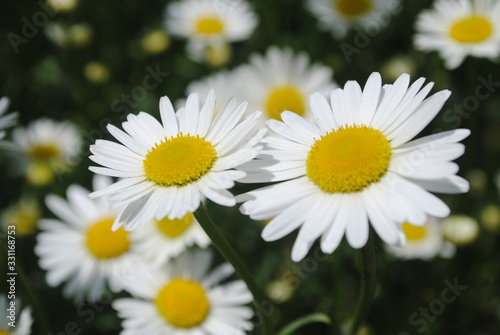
{"points": [[368, 284], [30, 292], [223, 246], [303, 321]]}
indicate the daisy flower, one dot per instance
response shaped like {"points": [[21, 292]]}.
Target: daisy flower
{"points": [[80, 248], [159, 240], [184, 298], [208, 23], [281, 80], [339, 16], [423, 242], [460, 28], [5, 120], [169, 166], [355, 164], [23, 319], [48, 147]]}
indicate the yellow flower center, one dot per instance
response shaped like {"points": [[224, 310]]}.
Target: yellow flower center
{"points": [[183, 303], [4, 332], [43, 152], [284, 98], [473, 29], [104, 243], [348, 159], [209, 26], [179, 161], [352, 8], [415, 233], [176, 227]]}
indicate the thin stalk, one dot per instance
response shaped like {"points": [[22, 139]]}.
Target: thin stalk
{"points": [[368, 284], [230, 255]]}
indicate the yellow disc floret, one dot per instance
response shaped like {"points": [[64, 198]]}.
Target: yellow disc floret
{"points": [[176, 227], [415, 233], [43, 152], [473, 29], [284, 98], [209, 26], [352, 8], [104, 243], [183, 303], [179, 161], [348, 159]]}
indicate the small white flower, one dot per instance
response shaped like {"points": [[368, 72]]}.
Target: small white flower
{"points": [[184, 298], [46, 148], [23, 319], [169, 166], [338, 16], [353, 164], [281, 80], [423, 242], [460, 28], [80, 248], [207, 23]]}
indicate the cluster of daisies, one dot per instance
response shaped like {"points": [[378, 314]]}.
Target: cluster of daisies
{"points": [[336, 162], [453, 28]]}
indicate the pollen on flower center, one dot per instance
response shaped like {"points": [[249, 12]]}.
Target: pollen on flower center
{"points": [[473, 29], [353, 8], [284, 98], [43, 152], [209, 25], [179, 161], [183, 303], [176, 227], [104, 243], [4, 332], [348, 159], [414, 233]]}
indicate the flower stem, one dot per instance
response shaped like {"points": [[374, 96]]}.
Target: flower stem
{"points": [[223, 246], [368, 284]]}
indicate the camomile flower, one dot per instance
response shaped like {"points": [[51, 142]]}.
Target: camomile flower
{"points": [[6, 120], [47, 148], [208, 23], [159, 240], [339, 16], [460, 28], [185, 298], [354, 164], [80, 248], [281, 80], [423, 242], [14, 315], [168, 167]]}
